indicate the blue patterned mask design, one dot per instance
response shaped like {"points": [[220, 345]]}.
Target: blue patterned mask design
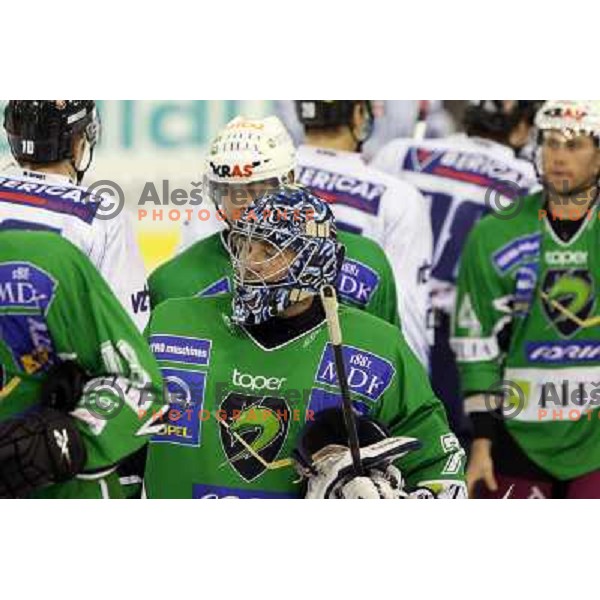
{"points": [[293, 233]]}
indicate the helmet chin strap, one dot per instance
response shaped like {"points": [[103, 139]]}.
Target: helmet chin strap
{"points": [[80, 173], [358, 142], [367, 130]]}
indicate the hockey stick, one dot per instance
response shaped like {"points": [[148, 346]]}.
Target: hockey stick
{"points": [[583, 323], [421, 125], [9, 387], [330, 305], [508, 493]]}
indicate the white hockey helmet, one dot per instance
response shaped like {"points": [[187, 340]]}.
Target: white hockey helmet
{"points": [[250, 150], [572, 117]]}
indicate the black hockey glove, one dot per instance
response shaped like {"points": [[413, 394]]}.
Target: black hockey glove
{"points": [[44, 446], [41, 448], [63, 386]]}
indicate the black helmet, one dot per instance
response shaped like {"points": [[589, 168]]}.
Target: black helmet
{"points": [[332, 113], [496, 118], [42, 131]]}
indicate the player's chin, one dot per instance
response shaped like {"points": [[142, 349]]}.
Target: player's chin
{"points": [[560, 184]]}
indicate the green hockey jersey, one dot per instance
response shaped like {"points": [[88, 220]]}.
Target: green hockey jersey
{"points": [[516, 275], [225, 386], [55, 306], [366, 279]]}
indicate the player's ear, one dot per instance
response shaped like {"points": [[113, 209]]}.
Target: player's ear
{"points": [[597, 159], [519, 135], [78, 148], [358, 116]]}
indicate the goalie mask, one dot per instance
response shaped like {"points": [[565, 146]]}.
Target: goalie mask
{"points": [[283, 249]]}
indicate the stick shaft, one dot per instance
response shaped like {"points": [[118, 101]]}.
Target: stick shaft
{"points": [[278, 464], [589, 322], [329, 300], [421, 125], [9, 387]]}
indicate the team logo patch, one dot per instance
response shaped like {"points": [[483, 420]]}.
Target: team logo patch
{"points": [[356, 282], [368, 374], [568, 299], [262, 422]]}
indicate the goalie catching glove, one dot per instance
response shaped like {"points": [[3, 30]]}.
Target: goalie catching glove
{"points": [[324, 459]]}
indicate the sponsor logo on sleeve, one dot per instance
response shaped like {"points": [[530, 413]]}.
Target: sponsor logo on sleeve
{"points": [[356, 282], [526, 247], [368, 374], [26, 294]]}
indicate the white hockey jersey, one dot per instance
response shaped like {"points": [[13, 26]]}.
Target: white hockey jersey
{"points": [[386, 210], [50, 202], [461, 177], [392, 119]]}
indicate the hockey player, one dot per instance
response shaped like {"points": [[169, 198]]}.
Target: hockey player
{"points": [[79, 387], [527, 314], [461, 177], [53, 142], [392, 119], [247, 371], [369, 202], [247, 158]]}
